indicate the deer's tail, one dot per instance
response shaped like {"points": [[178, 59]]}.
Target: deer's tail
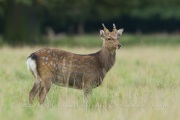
{"points": [[32, 64]]}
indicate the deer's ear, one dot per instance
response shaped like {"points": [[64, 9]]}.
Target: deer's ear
{"points": [[119, 32], [102, 33]]}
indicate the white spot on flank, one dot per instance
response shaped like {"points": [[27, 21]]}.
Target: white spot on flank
{"points": [[43, 58], [46, 58]]}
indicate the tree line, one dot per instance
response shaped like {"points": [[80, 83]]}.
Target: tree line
{"points": [[24, 21]]}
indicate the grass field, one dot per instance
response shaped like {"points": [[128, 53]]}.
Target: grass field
{"points": [[144, 84]]}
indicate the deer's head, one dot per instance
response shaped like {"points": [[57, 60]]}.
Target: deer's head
{"points": [[111, 39]]}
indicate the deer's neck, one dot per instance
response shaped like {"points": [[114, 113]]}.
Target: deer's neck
{"points": [[107, 58]]}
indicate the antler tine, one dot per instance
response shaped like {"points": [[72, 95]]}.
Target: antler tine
{"points": [[103, 25], [114, 26], [105, 29]]}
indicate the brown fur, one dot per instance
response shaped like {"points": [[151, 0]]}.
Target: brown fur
{"points": [[72, 70]]}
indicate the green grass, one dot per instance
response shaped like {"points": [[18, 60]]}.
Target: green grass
{"points": [[144, 84], [94, 41]]}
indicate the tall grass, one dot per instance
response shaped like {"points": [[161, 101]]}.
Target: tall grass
{"points": [[144, 84]]}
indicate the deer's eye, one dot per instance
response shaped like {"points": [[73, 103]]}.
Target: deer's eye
{"points": [[109, 38]]}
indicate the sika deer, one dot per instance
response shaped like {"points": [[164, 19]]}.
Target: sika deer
{"points": [[72, 70]]}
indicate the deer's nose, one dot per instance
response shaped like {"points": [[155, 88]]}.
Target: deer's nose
{"points": [[119, 46]]}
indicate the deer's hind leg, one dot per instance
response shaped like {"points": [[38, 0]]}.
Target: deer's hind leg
{"points": [[45, 87], [34, 90]]}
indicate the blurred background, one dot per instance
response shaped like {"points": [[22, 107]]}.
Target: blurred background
{"points": [[65, 22]]}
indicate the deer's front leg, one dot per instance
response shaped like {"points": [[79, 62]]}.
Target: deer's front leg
{"points": [[87, 93]]}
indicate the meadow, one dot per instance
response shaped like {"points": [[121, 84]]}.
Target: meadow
{"points": [[144, 83]]}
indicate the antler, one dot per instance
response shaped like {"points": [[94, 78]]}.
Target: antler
{"points": [[114, 27], [104, 26], [105, 29]]}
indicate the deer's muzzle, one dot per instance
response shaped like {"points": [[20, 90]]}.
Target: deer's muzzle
{"points": [[119, 46]]}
